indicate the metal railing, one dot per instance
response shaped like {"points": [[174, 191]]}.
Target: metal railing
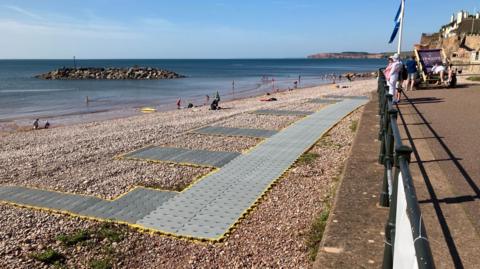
{"points": [[398, 193]]}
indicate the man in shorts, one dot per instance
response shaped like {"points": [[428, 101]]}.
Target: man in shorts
{"points": [[411, 66]]}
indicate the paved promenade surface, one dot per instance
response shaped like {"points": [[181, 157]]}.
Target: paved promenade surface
{"points": [[210, 208], [443, 128]]}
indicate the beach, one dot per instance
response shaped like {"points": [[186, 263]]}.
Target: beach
{"points": [[83, 158]]}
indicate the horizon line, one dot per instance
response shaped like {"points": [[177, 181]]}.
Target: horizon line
{"points": [[89, 59]]}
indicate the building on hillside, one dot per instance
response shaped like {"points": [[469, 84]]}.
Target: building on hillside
{"points": [[460, 40], [463, 23]]}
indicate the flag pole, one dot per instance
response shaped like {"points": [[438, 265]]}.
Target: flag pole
{"points": [[402, 14]]}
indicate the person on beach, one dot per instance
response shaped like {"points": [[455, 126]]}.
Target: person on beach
{"points": [[412, 70], [214, 105], [207, 99], [47, 125], [295, 84], [35, 124], [179, 103]]}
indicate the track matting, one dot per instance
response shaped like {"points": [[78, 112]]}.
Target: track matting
{"points": [[324, 101], [281, 112], [211, 207], [227, 131], [183, 156]]}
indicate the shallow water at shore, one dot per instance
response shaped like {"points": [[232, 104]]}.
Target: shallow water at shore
{"points": [[23, 98]]}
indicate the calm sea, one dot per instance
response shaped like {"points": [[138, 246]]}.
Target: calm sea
{"points": [[24, 97]]}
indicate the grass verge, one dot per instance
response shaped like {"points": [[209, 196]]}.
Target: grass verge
{"points": [[111, 232], [327, 142], [49, 256], [75, 238], [100, 239], [307, 158], [354, 126], [100, 264], [315, 234]]}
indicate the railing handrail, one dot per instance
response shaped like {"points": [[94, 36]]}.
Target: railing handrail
{"points": [[396, 158]]}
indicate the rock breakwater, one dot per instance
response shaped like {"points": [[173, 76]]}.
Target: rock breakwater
{"points": [[134, 73]]}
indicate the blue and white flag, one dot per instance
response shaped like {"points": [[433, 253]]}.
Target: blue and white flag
{"points": [[397, 23]]}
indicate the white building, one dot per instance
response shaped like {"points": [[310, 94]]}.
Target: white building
{"points": [[461, 23]]}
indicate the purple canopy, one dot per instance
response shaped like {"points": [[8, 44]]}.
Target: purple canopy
{"points": [[428, 58]]}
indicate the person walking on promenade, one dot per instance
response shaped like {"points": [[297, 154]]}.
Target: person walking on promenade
{"points": [[412, 70], [392, 74]]}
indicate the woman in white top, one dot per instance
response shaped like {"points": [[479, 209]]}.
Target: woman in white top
{"points": [[439, 69], [393, 76]]}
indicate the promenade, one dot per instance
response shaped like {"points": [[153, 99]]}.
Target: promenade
{"points": [[443, 127]]}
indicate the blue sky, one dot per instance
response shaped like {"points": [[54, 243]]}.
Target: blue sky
{"points": [[33, 29]]}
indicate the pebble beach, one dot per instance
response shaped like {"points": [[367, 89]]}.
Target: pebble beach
{"points": [[83, 159]]}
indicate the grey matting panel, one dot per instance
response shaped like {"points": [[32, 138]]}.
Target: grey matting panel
{"points": [[323, 101], [213, 205], [347, 97], [281, 112], [131, 207], [185, 156], [227, 131]]}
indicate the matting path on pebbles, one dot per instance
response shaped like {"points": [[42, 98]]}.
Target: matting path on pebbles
{"points": [[210, 208], [361, 97], [281, 112], [183, 156], [228, 131], [323, 101], [129, 208]]}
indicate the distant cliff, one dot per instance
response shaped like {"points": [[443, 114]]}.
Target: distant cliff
{"points": [[348, 55]]}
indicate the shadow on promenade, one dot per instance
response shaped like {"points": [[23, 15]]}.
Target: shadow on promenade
{"points": [[434, 200]]}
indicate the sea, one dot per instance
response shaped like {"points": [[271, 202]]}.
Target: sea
{"points": [[24, 97]]}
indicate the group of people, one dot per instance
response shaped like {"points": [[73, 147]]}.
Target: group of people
{"points": [[334, 78], [403, 76], [392, 75], [400, 76], [36, 124], [213, 106]]}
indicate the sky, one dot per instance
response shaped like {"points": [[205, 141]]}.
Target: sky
{"points": [[199, 29]]}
